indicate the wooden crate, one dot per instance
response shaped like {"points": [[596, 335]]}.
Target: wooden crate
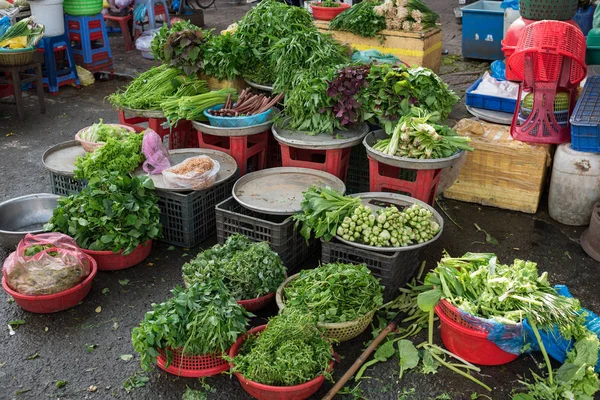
{"points": [[414, 48], [501, 172]]}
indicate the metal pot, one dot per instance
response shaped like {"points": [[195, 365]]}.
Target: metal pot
{"points": [[25, 214]]}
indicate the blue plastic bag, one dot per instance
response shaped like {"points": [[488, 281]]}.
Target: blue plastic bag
{"points": [[556, 345], [367, 56], [514, 4], [4, 25], [498, 70]]}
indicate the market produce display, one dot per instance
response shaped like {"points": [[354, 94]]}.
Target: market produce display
{"points": [[45, 264], [418, 136], [151, 88], [101, 132], [121, 156], [248, 270], [246, 104], [408, 15], [360, 19], [24, 33], [114, 212], [334, 292], [290, 351], [200, 319], [223, 57], [344, 88], [327, 213]]}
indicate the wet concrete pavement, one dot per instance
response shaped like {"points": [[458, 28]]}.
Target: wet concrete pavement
{"points": [[49, 348]]}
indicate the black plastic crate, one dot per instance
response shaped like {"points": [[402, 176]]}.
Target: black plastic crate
{"points": [[277, 230], [65, 185], [189, 218], [394, 269], [357, 180]]}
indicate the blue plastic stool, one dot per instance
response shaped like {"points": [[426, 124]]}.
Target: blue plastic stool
{"points": [[53, 75], [138, 27], [89, 42]]}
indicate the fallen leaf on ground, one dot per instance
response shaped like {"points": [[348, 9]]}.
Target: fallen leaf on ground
{"points": [[61, 383], [126, 357], [123, 282], [98, 309], [33, 356]]}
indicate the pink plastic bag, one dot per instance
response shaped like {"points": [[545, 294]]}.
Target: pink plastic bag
{"points": [[54, 265], [157, 155]]}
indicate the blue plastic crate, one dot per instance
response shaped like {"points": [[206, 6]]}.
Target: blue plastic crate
{"points": [[487, 102], [483, 30], [585, 121]]}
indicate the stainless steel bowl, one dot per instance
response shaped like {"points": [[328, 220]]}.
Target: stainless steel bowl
{"points": [[25, 214]]}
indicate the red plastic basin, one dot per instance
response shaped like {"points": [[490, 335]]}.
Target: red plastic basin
{"points": [[109, 261], [267, 392], [327, 13], [467, 343], [257, 303], [51, 303], [192, 366]]}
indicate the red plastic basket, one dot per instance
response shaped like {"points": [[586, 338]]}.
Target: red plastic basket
{"points": [[469, 341], [192, 366], [551, 46], [257, 303], [327, 13], [109, 261], [267, 392], [52, 303]]}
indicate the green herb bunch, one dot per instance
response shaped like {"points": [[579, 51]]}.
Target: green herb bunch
{"points": [[185, 50], [114, 212], [247, 269], [122, 156], [393, 89], [202, 319], [159, 42], [290, 351], [223, 57], [329, 4], [334, 292], [360, 19], [480, 285]]}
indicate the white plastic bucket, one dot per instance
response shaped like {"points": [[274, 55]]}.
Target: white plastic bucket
{"points": [[50, 14]]}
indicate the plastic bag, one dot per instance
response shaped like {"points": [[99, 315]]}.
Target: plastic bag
{"points": [[555, 344], [157, 155], [145, 40], [192, 180], [498, 69], [490, 86], [86, 78], [367, 56], [47, 263], [514, 4], [123, 3]]}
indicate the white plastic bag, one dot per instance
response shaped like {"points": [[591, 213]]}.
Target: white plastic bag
{"points": [[193, 180], [145, 40]]}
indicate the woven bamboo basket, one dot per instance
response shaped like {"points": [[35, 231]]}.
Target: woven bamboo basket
{"points": [[340, 331], [16, 57]]}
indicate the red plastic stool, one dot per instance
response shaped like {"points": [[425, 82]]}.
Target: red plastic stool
{"points": [[132, 122], [180, 136], [273, 153], [334, 161], [125, 23], [421, 184], [241, 148]]}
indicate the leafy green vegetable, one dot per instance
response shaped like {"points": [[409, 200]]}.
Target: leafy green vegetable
{"points": [[121, 156], [323, 210], [290, 351], [334, 292], [382, 354], [36, 248], [135, 381], [202, 319], [360, 19], [223, 57], [159, 43], [112, 213], [61, 383], [184, 49], [417, 136], [328, 3], [247, 269], [191, 108], [101, 132], [408, 354]]}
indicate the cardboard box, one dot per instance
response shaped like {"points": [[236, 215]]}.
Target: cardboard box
{"points": [[414, 48], [501, 172]]}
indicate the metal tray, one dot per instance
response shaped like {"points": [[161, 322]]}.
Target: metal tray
{"points": [[158, 114], [227, 164], [60, 159], [368, 199], [495, 117], [259, 86], [339, 140], [205, 127], [278, 191], [405, 162]]}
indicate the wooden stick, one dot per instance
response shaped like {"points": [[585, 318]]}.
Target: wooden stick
{"points": [[361, 360]]}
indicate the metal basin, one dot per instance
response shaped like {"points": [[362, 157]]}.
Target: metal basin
{"points": [[25, 214]]}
